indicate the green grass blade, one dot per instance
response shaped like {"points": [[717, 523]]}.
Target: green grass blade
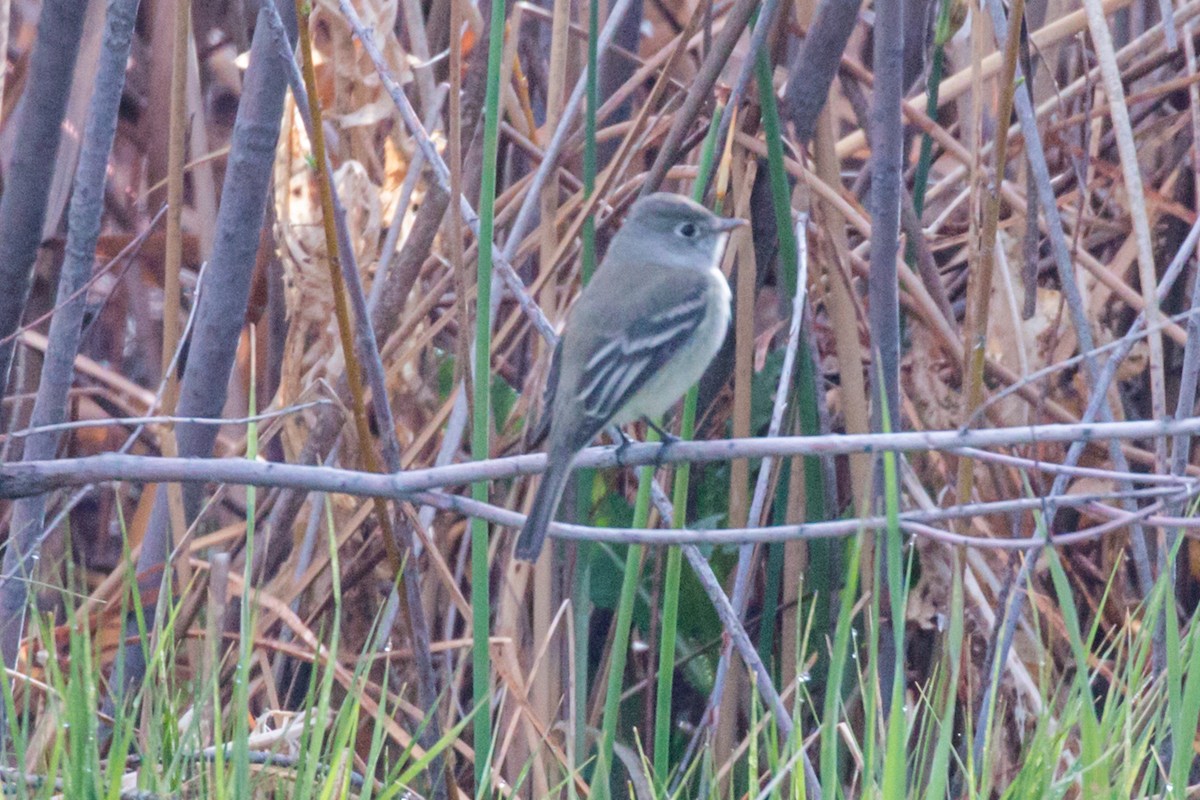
{"points": [[588, 233], [674, 569], [620, 648], [480, 439]]}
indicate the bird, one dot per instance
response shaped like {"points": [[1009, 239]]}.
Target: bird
{"points": [[641, 333]]}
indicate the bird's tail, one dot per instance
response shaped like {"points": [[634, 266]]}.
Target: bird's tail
{"points": [[545, 503]]}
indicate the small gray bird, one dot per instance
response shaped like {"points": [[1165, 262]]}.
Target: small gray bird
{"points": [[640, 334]]}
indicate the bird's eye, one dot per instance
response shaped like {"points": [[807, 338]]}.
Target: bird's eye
{"points": [[687, 230]]}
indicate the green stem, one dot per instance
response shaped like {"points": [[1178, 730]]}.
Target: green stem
{"points": [[588, 233], [932, 87], [241, 682], [780, 191], [670, 612], [620, 646], [895, 761], [806, 382], [581, 600], [480, 596], [585, 478], [708, 153], [666, 666]]}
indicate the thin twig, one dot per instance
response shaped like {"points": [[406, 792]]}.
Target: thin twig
{"points": [[565, 125], [164, 419], [1094, 503], [731, 619], [1181, 446], [699, 92], [1135, 198], [1074, 302], [442, 172]]}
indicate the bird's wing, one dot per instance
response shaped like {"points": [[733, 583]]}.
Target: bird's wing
{"points": [[542, 428], [620, 366]]}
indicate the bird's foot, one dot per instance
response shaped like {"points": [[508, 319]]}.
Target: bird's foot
{"points": [[665, 435], [623, 447], [660, 455]]}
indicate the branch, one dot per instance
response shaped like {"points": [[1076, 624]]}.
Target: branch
{"points": [[811, 72], [54, 384], [20, 480], [27, 179]]}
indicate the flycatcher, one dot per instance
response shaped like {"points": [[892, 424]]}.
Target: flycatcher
{"points": [[640, 334]]}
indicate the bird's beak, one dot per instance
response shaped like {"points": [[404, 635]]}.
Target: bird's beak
{"points": [[728, 223]]}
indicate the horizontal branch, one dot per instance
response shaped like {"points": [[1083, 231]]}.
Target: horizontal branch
{"points": [[35, 477], [916, 522]]}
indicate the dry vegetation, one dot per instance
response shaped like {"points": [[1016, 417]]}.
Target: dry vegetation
{"points": [[1063, 656]]}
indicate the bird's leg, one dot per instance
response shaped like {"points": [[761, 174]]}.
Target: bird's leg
{"points": [[622, 447], [664, 434], [667, 438]]}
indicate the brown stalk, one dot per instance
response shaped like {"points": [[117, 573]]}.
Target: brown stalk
{"points": [[920, 302], [1127, 149], [418, 41], [699, 92], [522, 84], [743, 365], [725, 735], [544, 594], [396, 557], [454, 224], [979, 286], [554, 102], [174, 258], [954, 86], [340, 303], [847, 343]]}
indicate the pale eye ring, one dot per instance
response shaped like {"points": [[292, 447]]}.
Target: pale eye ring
{"points": [[687, 230]]}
